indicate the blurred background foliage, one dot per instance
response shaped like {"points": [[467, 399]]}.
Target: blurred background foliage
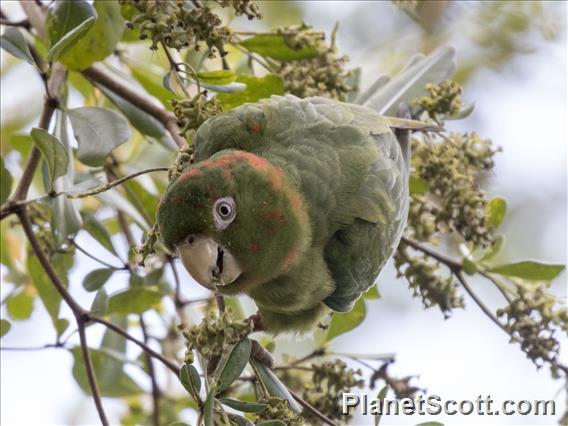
{"points": [[495, 41]]}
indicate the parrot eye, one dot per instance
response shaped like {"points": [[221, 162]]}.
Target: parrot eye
{"points": [[224, 211]]}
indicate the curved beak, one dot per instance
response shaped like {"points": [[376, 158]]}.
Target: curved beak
{"points": [[208, 263]]}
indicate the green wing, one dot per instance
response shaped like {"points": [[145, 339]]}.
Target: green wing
{"points": [[356, 254]]}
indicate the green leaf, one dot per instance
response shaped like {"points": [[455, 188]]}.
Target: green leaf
{"points": [[273, 384], [5, 182], [239, 420], [494, 250], [60, 326], [469, 266], [113, 382], [189, 378], [343, 322], [66, 23], [529, 270], [100, 40], [271, 423], [98, 132], [97, 278], [13, 42], [245, 407], [54, 155], [274, 46], [220, 77], [257, 88], [153, 84], [20, 306], [100, 303], [145, 202], [381, 397], [232, 364], [430, 424], [495, 212], [417, 186], [65, 219], [208, 419], [410, 82], [142, 121], [69, 40], [134, 301], [372, 293], [4, 327], [99, 232], [47, 293]]}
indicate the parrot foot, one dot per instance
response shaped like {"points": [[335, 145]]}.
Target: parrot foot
{"points": [[260, 354], [256, 321]]}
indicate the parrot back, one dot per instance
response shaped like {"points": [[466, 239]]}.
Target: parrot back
{"points": [[348, 166]]}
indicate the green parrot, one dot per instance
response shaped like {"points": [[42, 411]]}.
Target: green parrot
{"points": [[297, 203]]}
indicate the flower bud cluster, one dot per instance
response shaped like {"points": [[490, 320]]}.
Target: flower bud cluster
{"points": [[279, 409], [443, 100], [533, 318], [192, 113], [426, 281], [179, 24], [215, 334], [330, 380]]}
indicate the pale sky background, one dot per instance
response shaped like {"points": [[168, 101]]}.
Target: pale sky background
{"points": [[523, 109]]}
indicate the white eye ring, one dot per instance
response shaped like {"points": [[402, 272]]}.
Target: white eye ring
{"points": [[224, 212]]}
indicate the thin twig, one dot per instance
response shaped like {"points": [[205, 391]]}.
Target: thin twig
{"points": [[172, 366], [459, 275], [150, 365], [312, 409], [140, 100], [116, 182], [91, 372], [96, 259], [451, 263], [33, 348], [24, 23]]}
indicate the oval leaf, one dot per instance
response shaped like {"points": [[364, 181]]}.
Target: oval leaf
{"points": [[529, 270], [189, 378], [257, 88], [239, 420], [5, 182], [13, 42], [66, 23], [4, 327], [495, 212], [100, 40], [54, 154], [133, 301], [220, 77], [99, 232], [232, 364], [20, 306], [274, 46], [69, 40], [97, 278], [273, 384], [245, 407], [344, 322], [98, 132], [100, 303]]}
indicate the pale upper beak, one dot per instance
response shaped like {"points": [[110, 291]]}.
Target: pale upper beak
{"points": [[208, 262]]}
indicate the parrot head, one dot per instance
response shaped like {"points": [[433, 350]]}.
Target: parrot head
{"points": [[235, 220]]}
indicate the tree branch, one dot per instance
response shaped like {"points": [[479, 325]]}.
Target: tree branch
{"points": [[132, 95], [312, 409], [116, 182], [150, 365], [172, 366], [91, 371]]}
